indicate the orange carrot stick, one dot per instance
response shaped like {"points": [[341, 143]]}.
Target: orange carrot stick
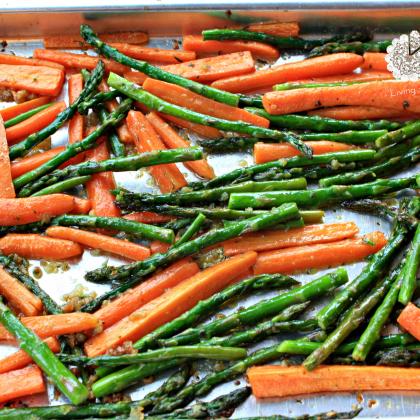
{"points": [[78, 61], [394, 94], [170, 304], [53, 325], [286, 381], [158, 247], [15, 110], [81, 206], [152, 288], [26, 164], [35, 123], [168, 177], [21, 383], [409, 319], [18, 295], [275, 28], [135, 77], [38, 247], [375, 61], [277, 239], [44, 81], [331, 254], [77, 122], [20, 359], [326, 65], [214, 68], [19, 211], [185, 98], [7, 189], [266, 152], [361, 113], [364, 76], [17, 60], [94, 240], [257, 49], [173, 140], [148, 217]]}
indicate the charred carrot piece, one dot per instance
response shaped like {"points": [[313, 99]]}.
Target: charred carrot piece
{"points": [[15, 110], [7, 190], [409, 319]]}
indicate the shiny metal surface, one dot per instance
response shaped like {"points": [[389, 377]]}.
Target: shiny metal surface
{"points": [[186, 16]]}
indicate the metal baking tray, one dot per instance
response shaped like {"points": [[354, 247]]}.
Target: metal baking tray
{"points": [[25, 24]]}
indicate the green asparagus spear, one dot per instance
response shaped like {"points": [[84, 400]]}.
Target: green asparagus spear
{"points": [[298, 85], [62, 378], [323, 124], [353, 47], [22, 148], [319, 197], [155, 72], [329, 415], [397, 149], [192, 230], [74, 149], [97, 99], [263, 309], [154, 102], [142, 230], [62, 186], [134, 273], [25, 115], [209, 305], [398, 136], [34, 227], [399, 356]]}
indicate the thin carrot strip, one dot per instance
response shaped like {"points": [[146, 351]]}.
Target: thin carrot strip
{"points": [[94, 240], [361, 113], [81, 206], [170, 304], [7, 189], [77, 122], [409, 319], [33, 124], [266, 152], [148, 217], [18, 295], [152, 288], [21, 383], [277, 239], [364, 76], [19, 211], [275, 28], [326, 65], [20, 359], [185, 98], [159, 247], [44, 81], [173, 140], [38, 247], [18, 60], [394, 94], [15, 110], [375, 61], [54, 325]]}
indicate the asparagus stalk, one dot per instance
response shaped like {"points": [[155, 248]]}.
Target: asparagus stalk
{"points": [[62, 186], [398, 136], [207, 306], [321, 196], [120, 164], [154, 102], [353, 47], [134, 273], [98, 99], [396, 149], [22, 148], [298, 85], [399, 356], [25, 115], [263, 309], [140, 230], [155, 72], [192, 230], [74, 149], [34, 227], [329, 415], [62, 378]]}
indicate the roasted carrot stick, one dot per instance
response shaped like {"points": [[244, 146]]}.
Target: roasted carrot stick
{"points": [[257, 49], [158, 247], [19, 211], [94, 240], [26, 164], [173, 140], [152, 288], [266, 152], [326, 65], [7, 189], [285, 381], [409, 319], [17, 60], [54, 325], [214, 68], [275, 28], [156, 55], [277, 239], [33, 124], [44, 80], [170, 304], [77, 122], [168, 177], [305, 257], [135, 77], [185, 98], [361, 113], [375, 61], [20, 359], [38, 247], [21, 383], [78, 61], [81, 206], [364, 76], [15, 110], [394, 94], [18, 295], [148, 217]]}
